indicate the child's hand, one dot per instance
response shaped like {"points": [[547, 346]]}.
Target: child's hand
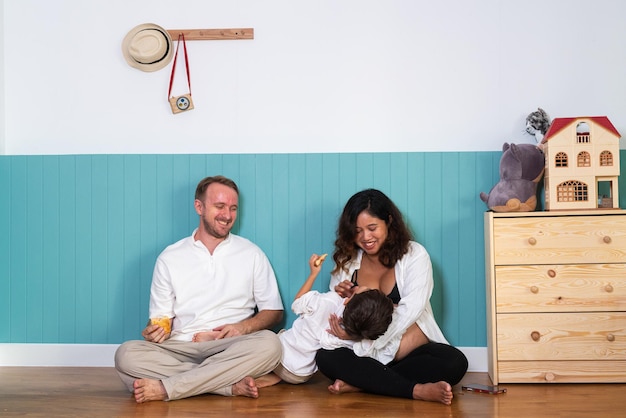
{"points": [[336, 329], [320, 260], [315, 262]]}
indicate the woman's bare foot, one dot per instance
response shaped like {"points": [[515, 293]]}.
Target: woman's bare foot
{"points": [[246, 387], [436, 392], [147, 390], [339, 387], [269, 379]]}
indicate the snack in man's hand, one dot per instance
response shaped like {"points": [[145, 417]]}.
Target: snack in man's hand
{"points": [[320, 260], [163, 322]]}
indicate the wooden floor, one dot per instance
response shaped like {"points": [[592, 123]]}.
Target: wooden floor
{"points": [[98, 392]]}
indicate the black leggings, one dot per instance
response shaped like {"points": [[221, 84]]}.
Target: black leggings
{"points": [[431, 362]]}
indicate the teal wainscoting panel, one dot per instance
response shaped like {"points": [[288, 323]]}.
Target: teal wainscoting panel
{"points": [[79, 235], [279, 219], [118, 262], [86, 169], [149, 228], [102, 265], [451, 210], [34, 248], [18, 253], [50, 198], [294, 197], [66, 293], [127, 191], [5, 246]]}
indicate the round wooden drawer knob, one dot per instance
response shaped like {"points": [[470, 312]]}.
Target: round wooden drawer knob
{"points": [[534, 289], [535, 335], [607, 239], [552, 273], [608, 288], [532, 241], [550, 377], [610, 337]]}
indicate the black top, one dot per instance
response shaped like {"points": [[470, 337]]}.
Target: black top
{"points": [[394, 295]]}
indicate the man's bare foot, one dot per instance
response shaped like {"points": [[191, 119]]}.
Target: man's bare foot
{"points": [[268, 380], [246, 387], [436, 392], [339, 387], [147, 390]]}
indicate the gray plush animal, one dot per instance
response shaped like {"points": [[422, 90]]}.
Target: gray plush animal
{"points": [[521, 169], [537, 124]]}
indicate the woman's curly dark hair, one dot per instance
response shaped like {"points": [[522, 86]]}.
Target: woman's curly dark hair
{"points": [[377, 204]]}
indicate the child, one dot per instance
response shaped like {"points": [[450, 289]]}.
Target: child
{"points": [[366, 316]]}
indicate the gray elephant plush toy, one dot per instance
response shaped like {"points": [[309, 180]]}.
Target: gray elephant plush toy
{"points": [[521, 170]]}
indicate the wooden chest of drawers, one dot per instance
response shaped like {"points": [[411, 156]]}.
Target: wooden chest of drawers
{"points": [[556, 296]]}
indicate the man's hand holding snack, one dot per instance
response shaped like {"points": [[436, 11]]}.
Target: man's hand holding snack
{"points": [[158, 330]]}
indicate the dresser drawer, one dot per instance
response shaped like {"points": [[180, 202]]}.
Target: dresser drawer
{"points": [[568, 239], [583, 371], [560, 288], [553, 336]]}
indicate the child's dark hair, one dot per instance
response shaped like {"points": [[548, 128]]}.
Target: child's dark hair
{"points": [[367, 315]]}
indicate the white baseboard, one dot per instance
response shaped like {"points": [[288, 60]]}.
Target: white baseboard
{"points": [[477, 358], [101, 355], [58, 355]]}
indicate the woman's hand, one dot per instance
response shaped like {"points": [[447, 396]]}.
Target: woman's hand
{"points": [[336, 329], [345, 289]]}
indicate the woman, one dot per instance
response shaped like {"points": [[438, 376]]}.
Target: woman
{"points": [[374, 248]]}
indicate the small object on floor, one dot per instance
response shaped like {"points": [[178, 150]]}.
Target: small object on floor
{"points": [[493, 390]]}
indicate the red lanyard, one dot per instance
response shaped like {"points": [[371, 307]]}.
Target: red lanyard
{"points": [[174, 65]]}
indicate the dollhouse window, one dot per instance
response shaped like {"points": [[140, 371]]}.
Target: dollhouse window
{"points": [[572, 191], [584, 159], [582, 133], [606, 158], [560, 160]]}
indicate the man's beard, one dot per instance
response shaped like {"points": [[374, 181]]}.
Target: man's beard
{"points": [[213, 232]]}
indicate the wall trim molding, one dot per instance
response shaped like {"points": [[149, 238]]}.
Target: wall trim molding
{"points": [[101, 355], [477, 358], [57, 355]]}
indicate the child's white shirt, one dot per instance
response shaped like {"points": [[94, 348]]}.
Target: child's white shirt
{"points": [[309, 332]]}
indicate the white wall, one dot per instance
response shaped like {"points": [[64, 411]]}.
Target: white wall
{"points": [[320, 76]]}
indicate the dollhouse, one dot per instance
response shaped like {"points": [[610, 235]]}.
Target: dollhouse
{"points": [[582, 163]]}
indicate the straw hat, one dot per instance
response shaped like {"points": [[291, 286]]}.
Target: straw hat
{"points": [[147, 47]]}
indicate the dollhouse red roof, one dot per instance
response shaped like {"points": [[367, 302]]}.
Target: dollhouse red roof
{"points": [[560, 123]]}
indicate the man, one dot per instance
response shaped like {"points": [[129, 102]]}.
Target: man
{"points": [[212, 281]]}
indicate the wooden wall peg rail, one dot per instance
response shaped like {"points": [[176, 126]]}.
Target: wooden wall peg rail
{"points": [[212, 34]]}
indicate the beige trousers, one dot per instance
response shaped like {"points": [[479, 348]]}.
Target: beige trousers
{"points": [[289, 377], [192, 368]]}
